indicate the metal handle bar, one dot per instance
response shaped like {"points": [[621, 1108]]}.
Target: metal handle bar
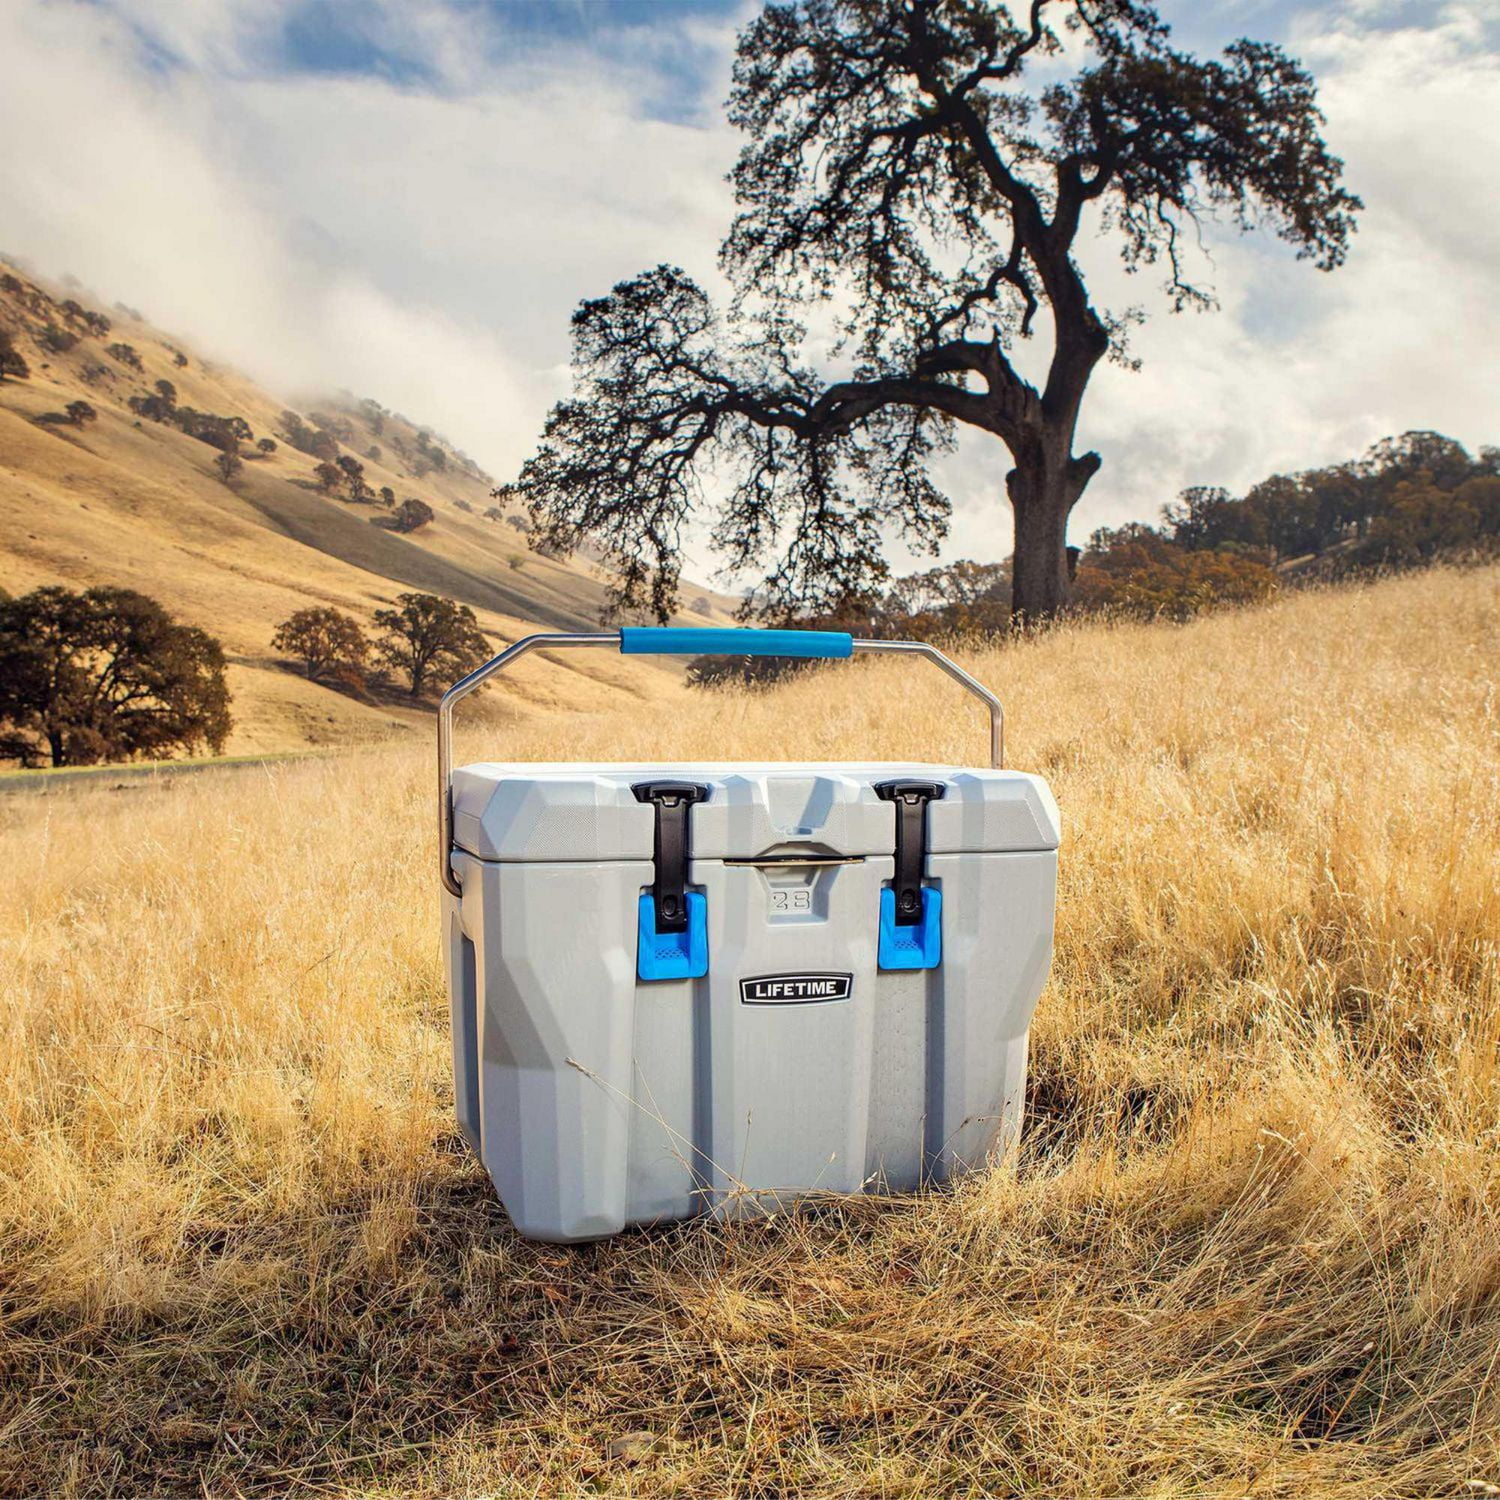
{"points": [[680, 643]]}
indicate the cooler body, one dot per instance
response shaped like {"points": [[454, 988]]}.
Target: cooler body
{"points": [[843, 1005]]}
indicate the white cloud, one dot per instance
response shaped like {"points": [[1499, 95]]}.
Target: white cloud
{"points": [[423, 236], [1300, 367], [424, 246]]}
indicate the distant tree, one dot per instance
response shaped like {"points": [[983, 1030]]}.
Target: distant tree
{"points": [[266, 446], [56, 340], [335, 424], [229, 464], [80, 412], [223, 433], [410, 515], [962, 598], [1380, 510], [520, 523], [426, 633], [494, 513], [387, 495], [516, 563], [295, 430], [323, 445], [106, 674], [179, 359], [167, 391], [1135, 570], [354, 475], [124, 354], [329, 643], [330, 476], [373, 453], [11, 362], [464, 506]]}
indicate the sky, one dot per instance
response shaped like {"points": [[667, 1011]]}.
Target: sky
{"points": [[407, 198]]}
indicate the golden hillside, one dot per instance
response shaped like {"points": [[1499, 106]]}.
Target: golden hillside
{"points": [[135, 503], [1251, 1245]]}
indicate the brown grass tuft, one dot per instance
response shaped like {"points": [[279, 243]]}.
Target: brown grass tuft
{"points": [[1252, 1246]]}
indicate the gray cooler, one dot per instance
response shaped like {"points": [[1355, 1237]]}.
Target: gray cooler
{"points": [[690, 988]]}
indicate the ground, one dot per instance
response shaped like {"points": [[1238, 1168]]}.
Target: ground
{"points": [[1251, 1245]]}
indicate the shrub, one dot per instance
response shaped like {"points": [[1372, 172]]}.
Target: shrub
{"points": [[124, 354]]}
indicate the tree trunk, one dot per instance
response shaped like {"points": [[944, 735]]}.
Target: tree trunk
{"points": [[1043, 491]]}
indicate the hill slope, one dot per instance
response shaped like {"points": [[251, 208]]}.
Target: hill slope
{"points": [[134, 502]]}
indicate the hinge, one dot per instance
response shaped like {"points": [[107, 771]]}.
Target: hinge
{"points": [[911, 799], [669, 850]]}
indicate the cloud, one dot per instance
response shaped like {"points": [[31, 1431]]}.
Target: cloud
{"points": [[410, 201], [424, 245], [1299, 367]]}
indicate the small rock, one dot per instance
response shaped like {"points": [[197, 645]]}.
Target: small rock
{"points": [[631, 1447]]}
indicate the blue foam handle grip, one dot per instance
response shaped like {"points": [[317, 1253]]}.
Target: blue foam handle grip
{"points": [[653, 640]]}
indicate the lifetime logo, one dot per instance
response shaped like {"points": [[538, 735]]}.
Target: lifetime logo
{"points": [[795, 989]]}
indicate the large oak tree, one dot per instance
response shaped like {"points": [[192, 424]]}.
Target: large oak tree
{"points": [[105, 675], [916, 175]]}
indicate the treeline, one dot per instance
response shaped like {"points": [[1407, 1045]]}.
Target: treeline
{"points": [[1409, 501]]}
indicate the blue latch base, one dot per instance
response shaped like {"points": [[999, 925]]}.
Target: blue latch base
{"points": [[919, 946], [672, 955]]}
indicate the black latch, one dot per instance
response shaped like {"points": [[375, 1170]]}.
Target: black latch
{"points": [[669, 852], [911, 799]]}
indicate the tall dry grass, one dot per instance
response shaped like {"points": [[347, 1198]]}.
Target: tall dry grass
{"points": [[1252, 1246]]}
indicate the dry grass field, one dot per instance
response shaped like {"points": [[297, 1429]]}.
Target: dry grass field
{"points": [[1251, 1247]]}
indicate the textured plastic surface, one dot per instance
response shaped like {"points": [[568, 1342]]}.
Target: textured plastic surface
{"points": [[597, 1100], [919, 946], [666, 640], [672, 955]]}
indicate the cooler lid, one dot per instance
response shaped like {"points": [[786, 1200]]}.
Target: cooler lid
{"points": [[544, 812]]}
